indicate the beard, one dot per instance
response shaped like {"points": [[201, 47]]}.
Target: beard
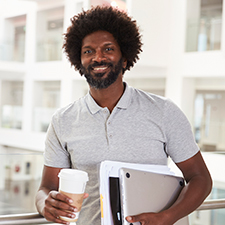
{"points": [[96, 81]]}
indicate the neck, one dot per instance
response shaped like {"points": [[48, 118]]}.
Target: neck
{"points": [[108, 97]]}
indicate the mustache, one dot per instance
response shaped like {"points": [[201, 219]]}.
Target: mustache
{"points": [[96, 64]]}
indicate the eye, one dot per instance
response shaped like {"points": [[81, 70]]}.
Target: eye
{"points": [[109, 49], [87, 51]]}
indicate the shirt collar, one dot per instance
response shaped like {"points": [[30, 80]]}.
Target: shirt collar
{"points": [[92, 105], [125, 99], [123, 103]]}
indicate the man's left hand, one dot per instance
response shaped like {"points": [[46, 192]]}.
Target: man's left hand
{"points": [[149, 219]]}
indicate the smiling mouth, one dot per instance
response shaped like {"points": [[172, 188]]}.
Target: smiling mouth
{"points": [[100, 69]]}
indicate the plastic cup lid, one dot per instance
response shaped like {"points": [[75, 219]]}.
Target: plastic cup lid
{"points": [[69, 174]]}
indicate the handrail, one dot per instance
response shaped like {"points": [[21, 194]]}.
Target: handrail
{"points": [[212, 204], [25, 218], [34, 218]]}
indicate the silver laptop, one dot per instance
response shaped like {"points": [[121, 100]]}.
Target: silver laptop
{"points": [[148, 192]]}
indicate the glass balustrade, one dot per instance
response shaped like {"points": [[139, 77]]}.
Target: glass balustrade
{"points": [[42, 118], [216, 166], [47, 100], [204, 34], [209, 120], [213, 215], [11, 116], [11, 52], [50, 50], [20, 175]]}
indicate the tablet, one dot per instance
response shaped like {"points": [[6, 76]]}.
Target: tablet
{"points": [[142, 192]]}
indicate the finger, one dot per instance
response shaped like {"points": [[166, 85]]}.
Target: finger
{"points": [[53, 216], [133, 219], [55, 204], [62, 197], [86, 195]]}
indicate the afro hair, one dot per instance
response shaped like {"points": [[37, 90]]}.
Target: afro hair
{"points": [[112, 20]]}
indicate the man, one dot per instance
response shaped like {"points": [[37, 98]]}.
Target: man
{"points": [[115, 122]]}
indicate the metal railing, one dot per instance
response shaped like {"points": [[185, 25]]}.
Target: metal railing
{"points": [[35, 218], [21, 219], [212, 204]]}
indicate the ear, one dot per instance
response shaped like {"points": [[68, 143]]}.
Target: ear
{"points": [[124, 63]]}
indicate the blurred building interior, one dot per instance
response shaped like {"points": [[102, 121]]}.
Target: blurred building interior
{"points": [[183, 59]]}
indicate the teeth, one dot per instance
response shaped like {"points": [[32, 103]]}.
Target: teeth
{"points": [[99, 68]]}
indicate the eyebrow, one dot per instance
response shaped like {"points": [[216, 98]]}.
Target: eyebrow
{"points": [[106, 44], [85, 47]]}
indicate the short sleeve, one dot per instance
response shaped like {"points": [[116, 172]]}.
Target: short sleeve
{"points": [[180, 142], [55, 154]]}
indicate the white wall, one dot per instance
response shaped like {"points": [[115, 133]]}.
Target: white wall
{"points": [[154, 22]]}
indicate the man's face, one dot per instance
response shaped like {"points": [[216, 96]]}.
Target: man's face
{"points": [[101, 59]]}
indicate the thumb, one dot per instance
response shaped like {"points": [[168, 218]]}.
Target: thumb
{"points": [[132, 219], [86, 195]]}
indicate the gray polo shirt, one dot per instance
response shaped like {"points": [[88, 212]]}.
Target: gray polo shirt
{"points": [[142, 128]]}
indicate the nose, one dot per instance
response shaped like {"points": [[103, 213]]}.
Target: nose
{"points": [[99, 56]]}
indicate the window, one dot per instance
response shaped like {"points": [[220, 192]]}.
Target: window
{"points": [[13, 47], [11, 108], [49, 35], [204, 25], [46, 101], [209, 120]]}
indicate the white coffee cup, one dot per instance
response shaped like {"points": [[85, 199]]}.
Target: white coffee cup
{"points": [[72, 183]]}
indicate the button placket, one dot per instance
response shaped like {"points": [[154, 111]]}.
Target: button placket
{"points": [[109, 129], [106, 115]]}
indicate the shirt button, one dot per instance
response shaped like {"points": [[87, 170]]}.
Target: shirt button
{"points": [[110, 136], [109, 123]]}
